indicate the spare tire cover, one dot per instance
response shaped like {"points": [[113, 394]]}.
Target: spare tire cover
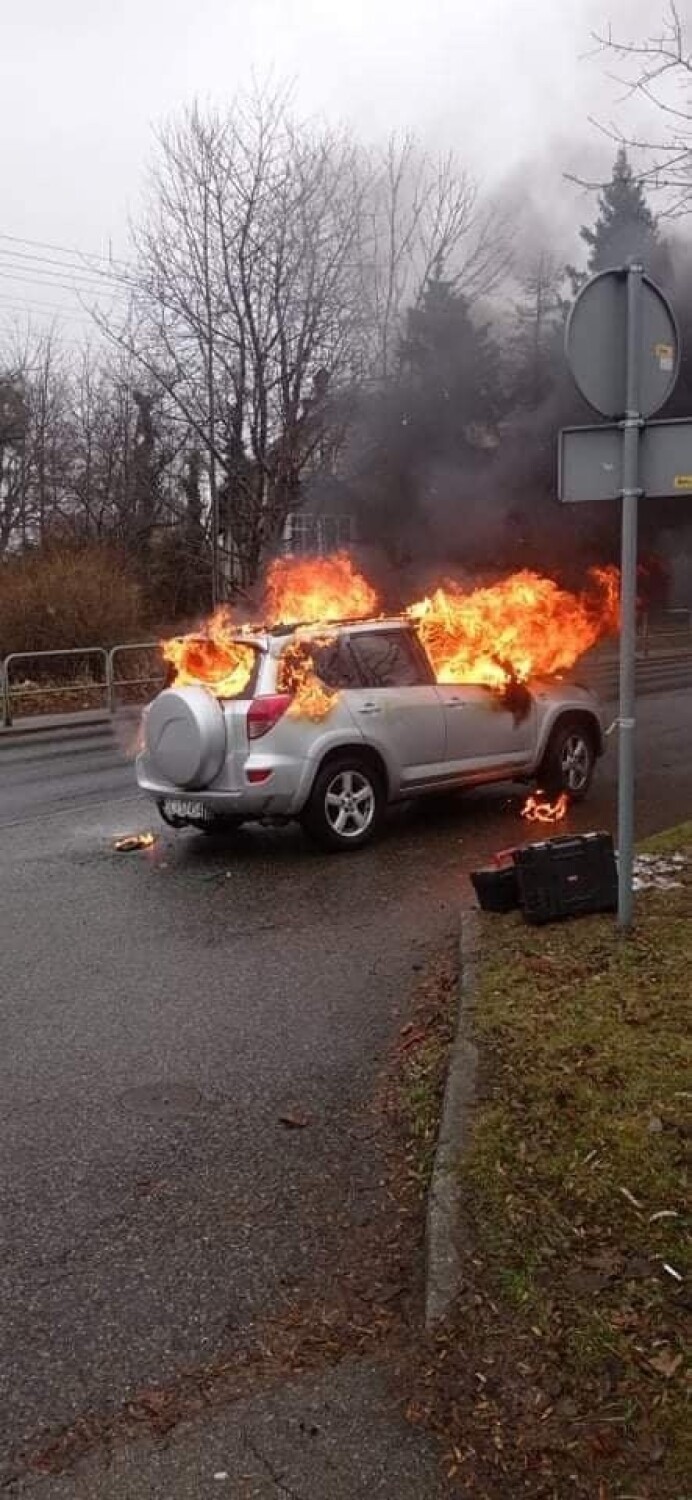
{"points": [[186, 736]]}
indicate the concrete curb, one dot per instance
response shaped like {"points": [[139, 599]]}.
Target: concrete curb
{"points": [[444, 1222]]}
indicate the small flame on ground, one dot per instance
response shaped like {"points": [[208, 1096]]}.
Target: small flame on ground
{"points": [[132, 841], [537, 809]]}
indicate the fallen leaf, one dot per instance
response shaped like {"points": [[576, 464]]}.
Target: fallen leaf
{"points": [[666, 1363], [154, 1399], [294, 1119], [414, 1036], [150, 1188]]}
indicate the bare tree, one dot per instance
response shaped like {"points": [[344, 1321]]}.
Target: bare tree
{"points": [[13, 430], [272, 272], [658, 69], [246, 294], [539, 320], [34, 448], [422, 213]]}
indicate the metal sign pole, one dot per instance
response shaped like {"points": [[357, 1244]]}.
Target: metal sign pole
{"points": [[628, 600], [623, 349]]}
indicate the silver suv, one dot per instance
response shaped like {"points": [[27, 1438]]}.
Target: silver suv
{"points": [[392, 732]]}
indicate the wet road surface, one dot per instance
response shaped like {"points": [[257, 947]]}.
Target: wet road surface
{"points": [[159, 1012]]}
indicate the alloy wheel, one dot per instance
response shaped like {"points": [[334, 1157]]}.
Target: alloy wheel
{"points": [[575, 763], [349, 804]]}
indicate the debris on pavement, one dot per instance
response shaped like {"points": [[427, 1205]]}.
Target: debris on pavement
{"points": [[133, 841], [658, 872], [295, 1119]]}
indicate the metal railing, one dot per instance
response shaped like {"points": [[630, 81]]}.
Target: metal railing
{"points": [[150, 679], [109, 682], [667, 630], [664, 638]]}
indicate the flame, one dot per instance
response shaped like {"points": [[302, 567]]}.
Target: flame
{"points": [[307, 590], [132, 841], [536, 811], [312, 699], [501, 634], [520, 627], [213, 657], [312, 589]]}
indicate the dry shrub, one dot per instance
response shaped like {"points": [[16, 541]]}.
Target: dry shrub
{"points": [[61, 597]]}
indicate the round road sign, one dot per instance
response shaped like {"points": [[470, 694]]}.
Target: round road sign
{"points": [[596, 345]]}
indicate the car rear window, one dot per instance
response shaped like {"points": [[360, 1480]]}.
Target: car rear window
{"points": [[389, 658], [228, 668]]}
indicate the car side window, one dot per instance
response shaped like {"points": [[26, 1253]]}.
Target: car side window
{"points": [[336, 665], [388, 658]]}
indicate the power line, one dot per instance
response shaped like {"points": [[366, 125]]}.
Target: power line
{"points": [[46, 314], [54, 284], [43, 261], [20, 300], [84, 278], [17, 239]]}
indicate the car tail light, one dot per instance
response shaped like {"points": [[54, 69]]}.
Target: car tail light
{"points": [[265, 712]]}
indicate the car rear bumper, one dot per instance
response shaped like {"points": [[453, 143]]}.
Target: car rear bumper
{"points": [[281, 795]]}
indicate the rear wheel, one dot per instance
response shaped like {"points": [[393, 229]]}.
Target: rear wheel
{"points": [[569, 761], [346, 805]]}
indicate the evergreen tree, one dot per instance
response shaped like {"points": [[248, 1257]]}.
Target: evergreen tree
{"points": [[449, 371], [625, 225]]}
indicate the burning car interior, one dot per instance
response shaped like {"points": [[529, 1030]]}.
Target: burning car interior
{"points": [[499, 634]]}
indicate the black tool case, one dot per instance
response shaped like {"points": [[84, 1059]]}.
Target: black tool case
{"points": [[567, 877], [497, 888]]}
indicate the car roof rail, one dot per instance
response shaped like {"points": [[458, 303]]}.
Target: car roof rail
{"points": [[288, 627]]}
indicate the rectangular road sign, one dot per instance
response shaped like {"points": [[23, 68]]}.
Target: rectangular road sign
{"points": [[590, 461]]}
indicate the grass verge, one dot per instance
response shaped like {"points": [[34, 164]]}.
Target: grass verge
{"points": [[564, 1371]]}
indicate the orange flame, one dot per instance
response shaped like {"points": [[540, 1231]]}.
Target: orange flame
{"points": [[309, 590], [214, 657], [132, 841], [525, 625], [312, 699], [521, 627], [536, 811]]}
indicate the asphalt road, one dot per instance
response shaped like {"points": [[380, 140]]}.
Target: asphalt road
{"points": [[159, 1012]]}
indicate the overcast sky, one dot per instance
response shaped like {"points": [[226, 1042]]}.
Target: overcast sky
{"points": [[507, 84]]}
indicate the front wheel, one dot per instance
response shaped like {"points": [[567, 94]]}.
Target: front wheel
{"points": [[346, 805], [569, 762]]}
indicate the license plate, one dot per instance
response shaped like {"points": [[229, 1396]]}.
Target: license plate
{"points": [[181, 809]]}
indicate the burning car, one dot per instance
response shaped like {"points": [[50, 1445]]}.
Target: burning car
{"points": [[330, 719]]}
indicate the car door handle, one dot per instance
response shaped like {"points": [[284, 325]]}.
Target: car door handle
{"points": [[455, 703], [369, 708]]}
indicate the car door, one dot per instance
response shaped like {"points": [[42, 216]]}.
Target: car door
{"points": [[487, 733], [398, 709]]}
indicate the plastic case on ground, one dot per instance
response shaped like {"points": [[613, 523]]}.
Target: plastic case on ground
{"points": [[497, 888], [567, 877]]}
